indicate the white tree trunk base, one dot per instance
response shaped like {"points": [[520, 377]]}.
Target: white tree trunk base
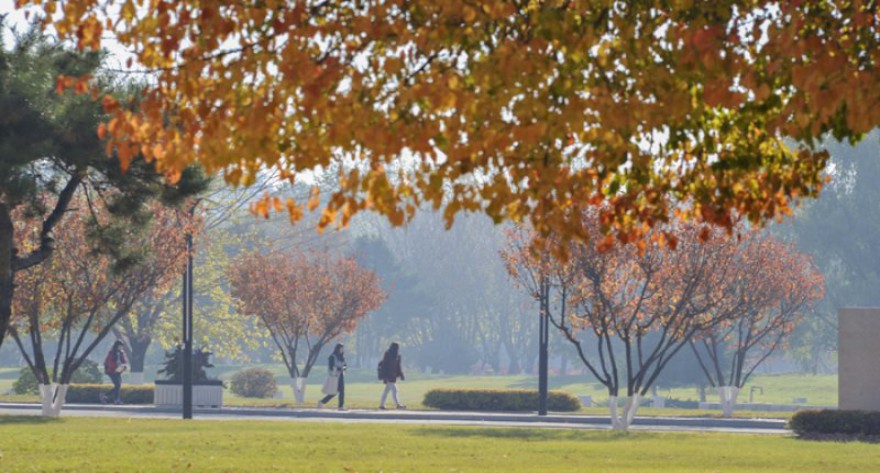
{"points": [[299, 389], [52, 398], [622, 420], [136, 377], [727, 396]]}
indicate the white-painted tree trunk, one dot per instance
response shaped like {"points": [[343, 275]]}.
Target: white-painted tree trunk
{"points": [[52, 397], [299, 389], [136, 377], [622, 420], [728, 395]]}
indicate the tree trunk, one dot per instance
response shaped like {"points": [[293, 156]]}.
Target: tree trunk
{"points": [[299, 389], [136, 357], [728, 395], [495, 362], [7, 273], [52, 397], [622, 420]]}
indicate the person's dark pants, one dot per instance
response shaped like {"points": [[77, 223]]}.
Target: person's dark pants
{"points": [[341, 393], [116, 378]]}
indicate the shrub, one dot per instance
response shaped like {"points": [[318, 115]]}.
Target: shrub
{"points": [[512, 400], [26, 382], [253, 382], [682, 403], [91, 393], [87, 373], [824, 422], [173, 365]]}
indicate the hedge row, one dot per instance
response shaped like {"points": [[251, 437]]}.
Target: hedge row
{"points": [[850, 423], [91, 393], [511, 400]]}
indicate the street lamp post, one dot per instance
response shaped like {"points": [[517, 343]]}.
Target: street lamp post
{"points": [[543, 341], [187, 325]]}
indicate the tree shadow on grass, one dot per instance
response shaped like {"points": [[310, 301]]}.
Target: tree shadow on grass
{"points": [[10, 420], [537, 435]]}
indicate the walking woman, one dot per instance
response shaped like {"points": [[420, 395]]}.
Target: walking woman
{"points": [[337, 372], [391, 370], [114, 365]]}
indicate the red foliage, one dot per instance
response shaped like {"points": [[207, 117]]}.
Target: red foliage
{"points": [[302, 298], [644, 302]]}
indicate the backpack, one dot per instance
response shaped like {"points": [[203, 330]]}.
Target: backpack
{"points": [[110, 363], [380, 370]]}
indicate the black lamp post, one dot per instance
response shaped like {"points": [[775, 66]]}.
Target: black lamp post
{"points": [[187, 298], [543, 341]]}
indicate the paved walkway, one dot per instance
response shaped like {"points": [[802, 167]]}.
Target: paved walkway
{"points": [[485, 419]]}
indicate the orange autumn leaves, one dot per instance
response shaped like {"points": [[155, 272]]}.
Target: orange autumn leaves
{"points": [[523, 111], [694, 289], [768, 294], [79, 284]]}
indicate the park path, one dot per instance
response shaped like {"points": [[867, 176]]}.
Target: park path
{"points": [[482, 419]]}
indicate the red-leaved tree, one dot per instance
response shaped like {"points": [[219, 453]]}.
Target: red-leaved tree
{"points": [[304, 302], [76, 300], [627, 309], [766, 295]]}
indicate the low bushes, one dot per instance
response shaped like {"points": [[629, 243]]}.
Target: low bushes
{"points": [[253, 382], [836, 424], [88, 372], [91, 394], [511, 400], [682, 403]]}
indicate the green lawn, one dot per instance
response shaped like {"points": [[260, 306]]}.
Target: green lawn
{"points": [[83, 444], [363, 391]]}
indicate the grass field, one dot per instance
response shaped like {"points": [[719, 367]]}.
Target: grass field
{"points": [[83, 444], [362, 388], [363, 391]]}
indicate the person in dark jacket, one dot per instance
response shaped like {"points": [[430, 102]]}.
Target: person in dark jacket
{"points": [[391, 370], [114, 365], [337, 368]]}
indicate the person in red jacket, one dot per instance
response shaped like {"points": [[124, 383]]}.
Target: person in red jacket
{"points": [[391, 370], [114, 365]]}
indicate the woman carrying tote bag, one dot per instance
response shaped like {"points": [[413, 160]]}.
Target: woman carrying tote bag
{"points": [[335, 383]]}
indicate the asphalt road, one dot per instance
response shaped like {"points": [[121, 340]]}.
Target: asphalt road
{"points": [[482, 419]]}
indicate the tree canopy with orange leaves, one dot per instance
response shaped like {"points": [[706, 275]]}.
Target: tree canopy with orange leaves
{"points": [[627, 310], [304, 301], [766, 297], [76, 297], [524, 110]]}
